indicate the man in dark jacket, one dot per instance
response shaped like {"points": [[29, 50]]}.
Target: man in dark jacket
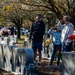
{"points": [[37, 32]]}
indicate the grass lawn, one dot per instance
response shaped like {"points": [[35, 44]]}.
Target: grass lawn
{"points": [[20, 41]]}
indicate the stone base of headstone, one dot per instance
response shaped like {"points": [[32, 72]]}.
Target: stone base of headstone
{"points": [[68, 63]]}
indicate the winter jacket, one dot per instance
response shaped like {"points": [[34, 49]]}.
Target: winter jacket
{"points": [[67, 32], [37, 31]]}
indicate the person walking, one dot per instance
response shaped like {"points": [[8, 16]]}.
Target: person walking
{"points": [[36, 34], [56, 44], [66, 33]]}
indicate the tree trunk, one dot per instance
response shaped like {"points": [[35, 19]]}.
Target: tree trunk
{"points": [[18, 28]]}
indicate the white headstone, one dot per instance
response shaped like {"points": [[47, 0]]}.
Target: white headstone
{"points": [[68, 63], [7, 55], [1, 57]]}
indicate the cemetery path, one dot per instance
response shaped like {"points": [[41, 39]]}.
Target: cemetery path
{"points": [[42, 70]]}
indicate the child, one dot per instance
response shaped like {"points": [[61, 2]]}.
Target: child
{"points": [[56, 44]]}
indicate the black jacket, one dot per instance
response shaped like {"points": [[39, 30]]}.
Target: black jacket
{"points": [[37, 31]]}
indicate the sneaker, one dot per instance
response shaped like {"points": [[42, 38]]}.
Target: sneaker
{"points": [[49, 66]]}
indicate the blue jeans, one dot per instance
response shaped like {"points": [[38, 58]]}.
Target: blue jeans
{"points": [[55, 49], [67, 48]]}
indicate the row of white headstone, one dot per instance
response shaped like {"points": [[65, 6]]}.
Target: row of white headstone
{"points": [[10, 40], [13, 58]]}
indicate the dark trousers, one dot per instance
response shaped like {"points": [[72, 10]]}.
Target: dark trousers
{"points": [[67, 48], [55, 49]]}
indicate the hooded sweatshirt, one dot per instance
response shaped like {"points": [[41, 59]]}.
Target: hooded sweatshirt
{"points": [[67, 32]]}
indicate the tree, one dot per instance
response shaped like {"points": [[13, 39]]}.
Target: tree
{"points": [[58, 7], [17, 13], [51, 20], [12, 11], [15, 17]]}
